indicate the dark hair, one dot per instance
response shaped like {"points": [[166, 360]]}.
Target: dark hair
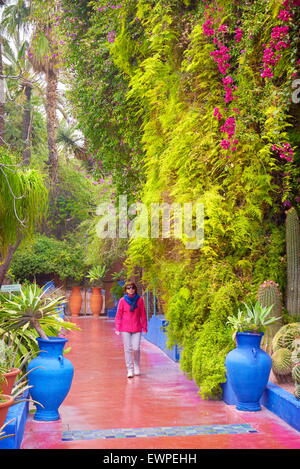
{"points": [[130, 284]]}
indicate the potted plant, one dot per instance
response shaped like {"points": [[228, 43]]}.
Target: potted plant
{"points": [[8, 369], [117, 290], [95, 276], [75, 298], [17, 394], [248, 366], [6, 401], [51, 373]]}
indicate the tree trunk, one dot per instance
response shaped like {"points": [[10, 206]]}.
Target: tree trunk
{"points": [[51, 106], [35, 323], [7, 260], [27, 125], [2, 97]]}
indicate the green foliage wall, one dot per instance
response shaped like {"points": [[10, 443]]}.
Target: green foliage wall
{"points": [[210, 84]]}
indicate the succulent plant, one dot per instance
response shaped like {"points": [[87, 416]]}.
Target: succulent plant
{"points": [[254, 319]]}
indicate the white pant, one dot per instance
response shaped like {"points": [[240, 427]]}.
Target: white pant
{"points": [[131, 342]]}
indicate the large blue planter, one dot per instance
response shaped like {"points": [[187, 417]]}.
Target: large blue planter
{"points": [[51, 379], [248, 369]]}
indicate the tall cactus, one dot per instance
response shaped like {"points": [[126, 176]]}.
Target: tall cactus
{"points": [[293, 263], [269, 294]]}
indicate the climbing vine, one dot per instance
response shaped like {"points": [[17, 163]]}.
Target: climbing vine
{"points": [[204, 98]]}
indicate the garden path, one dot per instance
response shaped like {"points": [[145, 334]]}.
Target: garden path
{"points": [[160, 409]]}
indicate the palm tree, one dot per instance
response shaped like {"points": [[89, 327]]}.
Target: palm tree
{"points": [[2, 92], [68, 139], [44, 60], [13, 19], [2, 95], [15, 53]]}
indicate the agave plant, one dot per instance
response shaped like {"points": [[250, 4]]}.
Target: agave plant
{"points": [[32, 309], [97, 273], [254, 319], [3, 433]]}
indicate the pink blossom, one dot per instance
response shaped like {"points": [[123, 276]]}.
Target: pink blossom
{"points": [[279, 32], [229, 127], [238, 35], [225, 144], [111, 36], [285, 151], [207, 29], [223, 28], [227, 80], [282, 45], [285, 15], [267, 73], [217, 113], [221, 56], [287, 204], [269, 56], [228, 95]]}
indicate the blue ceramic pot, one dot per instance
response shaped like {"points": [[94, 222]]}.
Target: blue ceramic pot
{"points": [[248, 370], [51, 378]]}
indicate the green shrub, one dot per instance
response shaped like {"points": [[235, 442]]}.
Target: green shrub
{"points": [[48, 256]]}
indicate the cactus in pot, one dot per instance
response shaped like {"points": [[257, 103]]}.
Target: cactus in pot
{"points": [[293, 263], [269, 294]]}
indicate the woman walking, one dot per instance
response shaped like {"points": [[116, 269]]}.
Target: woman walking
{"points": [[131, 321]]}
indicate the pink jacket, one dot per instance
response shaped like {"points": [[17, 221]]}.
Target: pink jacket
{"points": [[131, 321]]}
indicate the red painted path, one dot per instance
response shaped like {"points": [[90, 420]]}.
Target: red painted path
{"points": [[102, 397]]}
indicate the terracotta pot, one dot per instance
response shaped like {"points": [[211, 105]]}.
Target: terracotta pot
{"points": [[75, 301], [5, 402], [96, 301], [10, 378]]}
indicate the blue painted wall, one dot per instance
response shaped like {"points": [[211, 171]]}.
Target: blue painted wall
{"points": [[277, 400], [157, 326], [18, 414]]}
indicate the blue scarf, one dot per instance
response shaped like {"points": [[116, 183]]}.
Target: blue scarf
{"points": [[132, 301]]}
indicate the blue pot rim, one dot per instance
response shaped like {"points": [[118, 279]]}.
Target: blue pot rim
{"points": [[251, 333], [52, 340]]}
